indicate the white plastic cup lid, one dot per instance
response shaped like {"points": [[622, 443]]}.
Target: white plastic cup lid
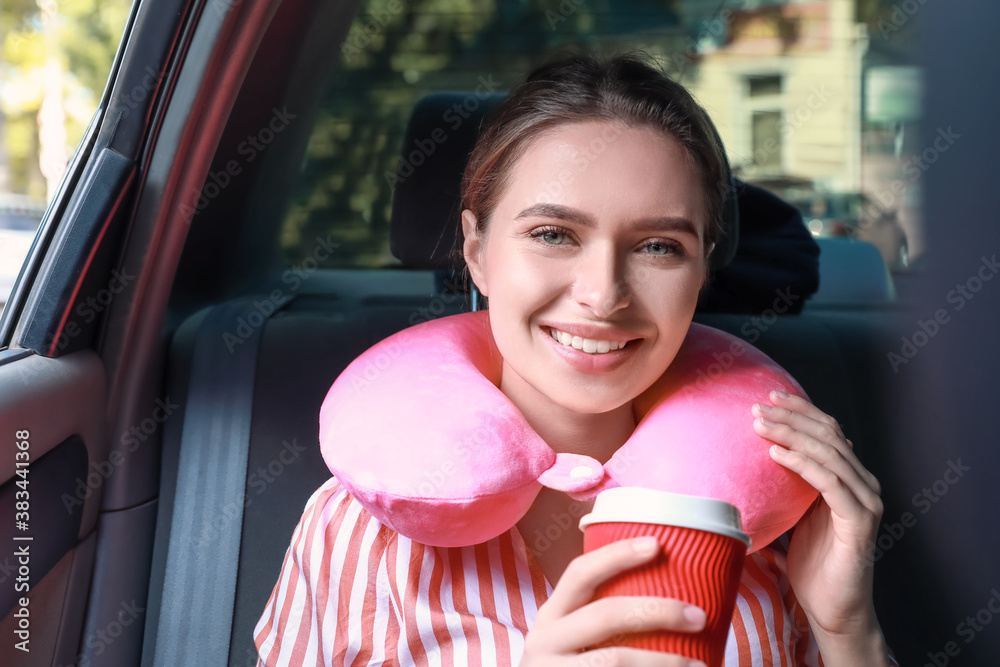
{"points": [[632, 504]]}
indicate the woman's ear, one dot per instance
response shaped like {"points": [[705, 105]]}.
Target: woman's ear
{"points": [[472, 249]]}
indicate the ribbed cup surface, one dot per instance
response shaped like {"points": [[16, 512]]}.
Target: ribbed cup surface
{"points": [[695, 566]]}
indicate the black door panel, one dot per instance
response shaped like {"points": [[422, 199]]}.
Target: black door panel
{"points": [[52, 414]]}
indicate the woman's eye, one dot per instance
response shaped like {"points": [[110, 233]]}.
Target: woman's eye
{"points": [[663, 248], [550, 236]]}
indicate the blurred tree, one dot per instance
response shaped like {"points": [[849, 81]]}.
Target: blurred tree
{"points": [[88, 34]]}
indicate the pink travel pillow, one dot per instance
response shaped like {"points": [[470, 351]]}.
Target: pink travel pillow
{"points": [[418, 431]]}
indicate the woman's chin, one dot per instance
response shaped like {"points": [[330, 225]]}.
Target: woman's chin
{"points": [[590, 400]]}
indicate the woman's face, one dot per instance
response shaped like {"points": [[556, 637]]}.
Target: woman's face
{"points": [[599, 238]]}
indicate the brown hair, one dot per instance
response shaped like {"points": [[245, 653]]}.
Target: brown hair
{"points": [[624, 90]]}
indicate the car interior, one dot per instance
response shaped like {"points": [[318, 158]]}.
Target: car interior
{"points": [[174, 432]]}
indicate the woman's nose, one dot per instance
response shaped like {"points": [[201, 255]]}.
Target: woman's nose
{"points": [[600, 284]]}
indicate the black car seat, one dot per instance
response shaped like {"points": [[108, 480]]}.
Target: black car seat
{"points": [[307, 341]]}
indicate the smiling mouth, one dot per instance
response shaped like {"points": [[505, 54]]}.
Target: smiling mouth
{"points": [[587, 345]]}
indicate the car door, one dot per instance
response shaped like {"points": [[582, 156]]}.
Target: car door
{"points": [[81, 407]]}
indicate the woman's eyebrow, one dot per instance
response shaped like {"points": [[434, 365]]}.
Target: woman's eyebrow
{"points": [[560, 212]]}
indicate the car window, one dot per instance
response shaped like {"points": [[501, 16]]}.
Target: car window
{"points": [[816, 101], [55, 63]]}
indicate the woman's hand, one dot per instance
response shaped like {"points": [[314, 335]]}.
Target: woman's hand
{"points": [[569, 621], [828, 563]]}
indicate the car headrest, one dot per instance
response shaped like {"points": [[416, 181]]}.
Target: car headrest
{"points": [[443, 128], [767, 248]]}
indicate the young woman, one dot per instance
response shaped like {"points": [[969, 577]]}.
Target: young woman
{"points": [[592, 203]]}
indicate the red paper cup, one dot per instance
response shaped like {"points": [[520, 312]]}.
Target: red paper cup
{"points": [[700, 562]]}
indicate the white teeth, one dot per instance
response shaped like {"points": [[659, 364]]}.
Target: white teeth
{"points": [[587, 345]]}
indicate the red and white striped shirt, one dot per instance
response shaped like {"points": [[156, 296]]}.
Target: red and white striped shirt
{"points": [[354, 592]]}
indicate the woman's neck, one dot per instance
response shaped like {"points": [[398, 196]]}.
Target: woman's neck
{"points": [[596, 435]]}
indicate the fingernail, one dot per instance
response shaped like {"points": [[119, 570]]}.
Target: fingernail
{"points": [[645, 545], [765, 422], [763, 408], [779, 394], [697, 663], [695, 616]]}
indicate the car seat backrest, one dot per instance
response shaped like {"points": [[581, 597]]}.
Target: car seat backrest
{"points": [[852, 274]]}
